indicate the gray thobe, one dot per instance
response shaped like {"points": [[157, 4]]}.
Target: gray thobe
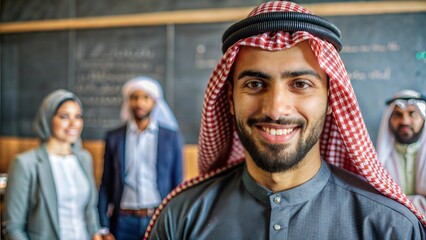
{"points": [[334, 204]]}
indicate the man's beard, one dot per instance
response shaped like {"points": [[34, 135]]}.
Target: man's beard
{"points": [[270, 159], [403, 139], [141, 117]]}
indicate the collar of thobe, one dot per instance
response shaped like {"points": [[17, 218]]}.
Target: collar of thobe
{"points": [[407, 148], [296, 195]]}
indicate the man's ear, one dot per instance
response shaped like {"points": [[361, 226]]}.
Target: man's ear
{"points": [[230, 97], [329, 110]]}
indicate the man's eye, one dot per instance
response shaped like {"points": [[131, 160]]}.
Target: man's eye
{"points": [[254, 84], [301, 84], [413, 114], [396, 115]]}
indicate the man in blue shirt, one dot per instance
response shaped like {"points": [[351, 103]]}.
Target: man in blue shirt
{"points": [[142, 161]]}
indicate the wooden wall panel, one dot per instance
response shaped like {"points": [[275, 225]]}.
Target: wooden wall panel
{"points": [[11, 146]]}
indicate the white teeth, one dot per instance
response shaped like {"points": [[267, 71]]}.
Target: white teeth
{"points": [[277, 132], [72, 132]]}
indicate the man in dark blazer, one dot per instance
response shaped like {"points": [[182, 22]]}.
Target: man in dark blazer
{"points": [[142, 161]]}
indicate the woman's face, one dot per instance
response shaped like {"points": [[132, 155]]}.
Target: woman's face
{"points": [[67, 123]]}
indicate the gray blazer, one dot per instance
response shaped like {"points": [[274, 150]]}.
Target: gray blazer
{"points": [[31, 208]]}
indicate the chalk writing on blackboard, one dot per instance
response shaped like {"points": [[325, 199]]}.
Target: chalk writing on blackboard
{"points": [[371, 72], [201, 61], [370, 48], [101, 72], [105, 60], [374, 75]]}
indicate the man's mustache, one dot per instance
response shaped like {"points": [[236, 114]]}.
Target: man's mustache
{"points": [[405, 126], [281, 121]]}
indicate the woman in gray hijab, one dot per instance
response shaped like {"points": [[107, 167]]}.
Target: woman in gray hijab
{"points": [[51, 192]]}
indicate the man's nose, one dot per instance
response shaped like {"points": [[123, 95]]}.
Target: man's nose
{"points": [[278, 102], [406, 119], [142, 101]]}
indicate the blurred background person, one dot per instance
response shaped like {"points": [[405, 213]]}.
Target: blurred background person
{"points": [[401, 144], [142, 161], [51, 191]]}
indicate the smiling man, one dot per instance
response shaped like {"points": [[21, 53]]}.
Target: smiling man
{"points": [[142, 161], [279, 103], [402, 144], [280, 129]]}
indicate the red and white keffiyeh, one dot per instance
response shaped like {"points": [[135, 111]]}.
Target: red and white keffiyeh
{"points": [[344, 141]]}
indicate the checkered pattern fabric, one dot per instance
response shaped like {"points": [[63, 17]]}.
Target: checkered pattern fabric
{"points": [[344, 140]]}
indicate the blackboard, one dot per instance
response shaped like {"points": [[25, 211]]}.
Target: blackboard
{"points": [[31, 66], [196, 4], [197, 53], [104, 60], [381, 53], [112, 7], [24, 10], [93, 64]]}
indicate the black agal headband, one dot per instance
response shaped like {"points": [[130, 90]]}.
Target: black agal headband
{"points": [[282, 21]]}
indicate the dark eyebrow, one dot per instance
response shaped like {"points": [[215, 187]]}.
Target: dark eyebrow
{"points": [[293, 74], [286, 74], [256, 74]]}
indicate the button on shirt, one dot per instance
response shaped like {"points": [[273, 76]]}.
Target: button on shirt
{"points": [[140, 188], [72, 190]]}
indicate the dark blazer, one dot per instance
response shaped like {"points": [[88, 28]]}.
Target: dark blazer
{"points": [[169, 170], [31, 206]]}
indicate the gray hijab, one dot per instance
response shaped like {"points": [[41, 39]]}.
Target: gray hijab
{"points": [[48, 108]]}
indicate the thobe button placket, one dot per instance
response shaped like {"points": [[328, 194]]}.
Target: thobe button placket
{"points": [[279, 219]]}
